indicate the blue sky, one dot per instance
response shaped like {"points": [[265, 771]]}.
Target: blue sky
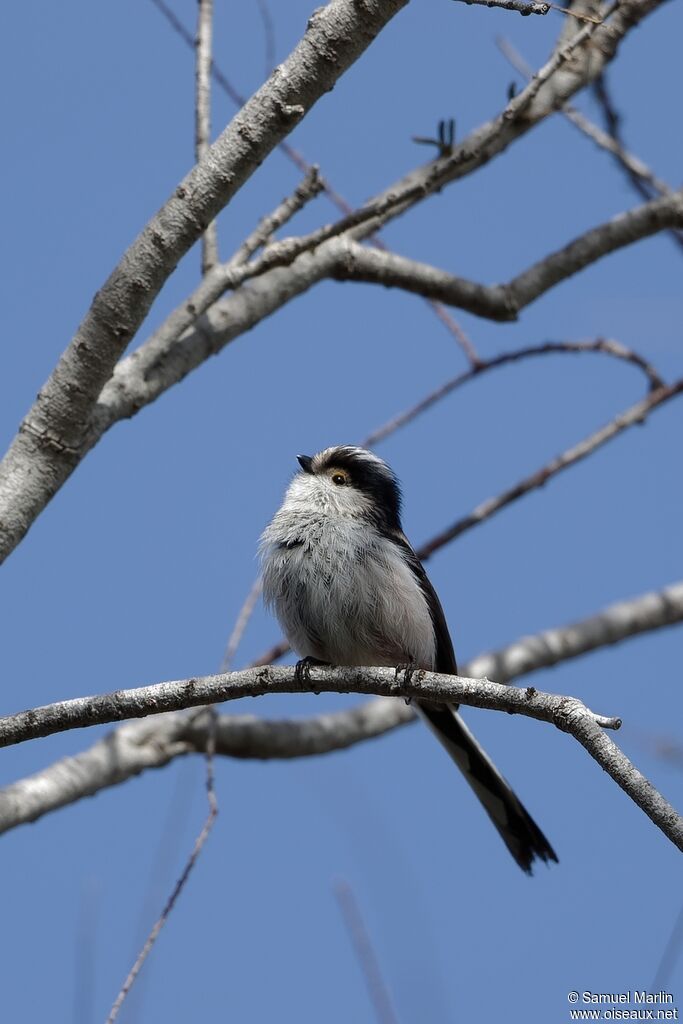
{"points": [[135, 572]]}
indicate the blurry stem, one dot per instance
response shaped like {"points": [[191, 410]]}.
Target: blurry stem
{"points": [[203, 117], [245, 613], [636, 414], [180, 884], [365, 953]]}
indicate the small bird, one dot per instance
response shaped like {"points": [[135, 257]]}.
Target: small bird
{"points": [[348, 589]]}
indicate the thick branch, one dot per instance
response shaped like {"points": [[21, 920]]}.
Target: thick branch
{"points": [[617, 622], [567, 713], [504, 301], [152, 743], [58, 431], [178, 695], [50, 441]]}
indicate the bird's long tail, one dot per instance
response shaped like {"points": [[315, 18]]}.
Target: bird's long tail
{"points": [[519, 831]]}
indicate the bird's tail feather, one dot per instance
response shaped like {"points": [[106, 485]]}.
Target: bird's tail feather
{"points": [[518, 830]]}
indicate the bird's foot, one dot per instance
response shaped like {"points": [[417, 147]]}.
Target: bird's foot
{"points": [[408, 670], [302, 669]]}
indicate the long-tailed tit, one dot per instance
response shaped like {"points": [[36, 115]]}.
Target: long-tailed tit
{"points": [[348, 589]]}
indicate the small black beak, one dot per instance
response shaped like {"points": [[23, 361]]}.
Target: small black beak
{"points": [[306, 463]]}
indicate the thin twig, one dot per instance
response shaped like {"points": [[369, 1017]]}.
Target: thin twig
{"points": [[180, 884], [308, 189], [523, 7], [670, 955], [601, 345], [643, 179], [452, 325], [268, 36], [612, 144], [365, 953], [519, 104], [241, 623], [202, 138], [639, 176], [306, 167], [527, 7], [636, 414]]}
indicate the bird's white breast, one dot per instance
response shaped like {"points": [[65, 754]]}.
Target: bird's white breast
{"points": [[341, 590]]}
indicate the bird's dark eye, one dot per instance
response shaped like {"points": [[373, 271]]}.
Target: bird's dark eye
{"points": [[339, 479]]}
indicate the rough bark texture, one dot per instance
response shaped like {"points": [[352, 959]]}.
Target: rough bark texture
{"points": [[55, 432]]}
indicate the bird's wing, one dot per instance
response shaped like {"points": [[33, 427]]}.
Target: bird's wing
{"points": [[445, 656]]}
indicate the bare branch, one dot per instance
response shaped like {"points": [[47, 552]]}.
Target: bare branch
{"points": [[309, 188], [365, 953], [670, 954], [635, 415], [268, 34], [304, 165], [524, 7], [180, 884], [178, 695], [643, 179], [245, 614], [601, 345], [567, 713], [62, 427], [631, 417], [527, 7], [203, 117], [614, 624], [504, 301], [592, 131], [152, 743], [168, 356], [572, 67], [51, 438], [132, 388]]}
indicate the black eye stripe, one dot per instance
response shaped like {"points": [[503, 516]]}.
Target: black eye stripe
{"points": [[369, 476]]}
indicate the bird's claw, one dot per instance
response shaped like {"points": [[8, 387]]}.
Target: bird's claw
{"points": [[408, 671], [302, 669]]}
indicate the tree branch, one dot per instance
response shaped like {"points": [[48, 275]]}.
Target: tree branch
{"points": [[638, 174], [524, 7], [631, 417], [309, 188], [152, 743], [504, 301], [635, 415], [600, 346], [61, 428], [567, 713], [51, 439], [203, 117], [179, 695]]}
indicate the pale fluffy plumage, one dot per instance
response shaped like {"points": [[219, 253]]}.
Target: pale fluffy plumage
{"points": [[349, 590], [342, 592]]}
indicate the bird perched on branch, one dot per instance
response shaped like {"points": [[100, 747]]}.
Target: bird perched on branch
{"points": [[348, 589]]}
